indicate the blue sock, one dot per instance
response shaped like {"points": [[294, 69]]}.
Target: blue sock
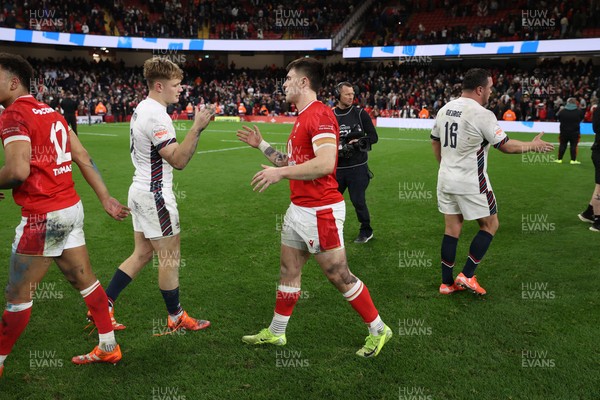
{"points": [[119, 281], [479, 246], [171, 298], [449, 244]]}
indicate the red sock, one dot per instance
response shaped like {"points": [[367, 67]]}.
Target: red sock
{"points": [[286, 300], [360, 299], [12, 326], [97, 302]]}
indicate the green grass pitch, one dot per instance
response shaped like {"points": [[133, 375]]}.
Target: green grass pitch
{"points": [[531, 337]]}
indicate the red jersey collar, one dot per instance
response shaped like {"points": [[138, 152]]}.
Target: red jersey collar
{"points": [[305, 107]]}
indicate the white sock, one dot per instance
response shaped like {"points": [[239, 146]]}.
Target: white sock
{"points": [[278, 324], [107, 341], [376, 326], [88, 291], [354, 291], [2, 358]]}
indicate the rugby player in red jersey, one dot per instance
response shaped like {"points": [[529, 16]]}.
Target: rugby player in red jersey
{"points": [[314, 220], [38, 150]]}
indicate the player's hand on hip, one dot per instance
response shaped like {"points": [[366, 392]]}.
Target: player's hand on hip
{"points": [[202, 118], [115, 209], [541, 146], [251, 136], [265, 178]]}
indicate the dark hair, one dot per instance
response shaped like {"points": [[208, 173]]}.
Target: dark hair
{"points": [[17, 66], [474, 78], [311, 68]]}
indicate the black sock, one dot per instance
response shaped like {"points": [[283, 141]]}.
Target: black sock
{"points": [[119, 281], [449, 244], [479, 246], [589, 210], [171, 298]]}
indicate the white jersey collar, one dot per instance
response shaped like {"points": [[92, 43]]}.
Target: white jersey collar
{"points": [[154, 101]]}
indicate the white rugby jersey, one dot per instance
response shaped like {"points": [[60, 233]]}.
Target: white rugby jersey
{"points": [[465, 129], [151, 129]]}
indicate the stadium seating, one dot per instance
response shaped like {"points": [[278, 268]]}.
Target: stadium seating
{"points": [[390, 22], [382, 90]]}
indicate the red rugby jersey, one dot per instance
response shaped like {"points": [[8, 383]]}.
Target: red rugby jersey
{"points": [[314, 122], [50, 185]]}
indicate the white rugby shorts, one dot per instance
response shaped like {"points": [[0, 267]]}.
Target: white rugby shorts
{"points": [[314, 229], [471, 206], [154, 213], [50, 233]]}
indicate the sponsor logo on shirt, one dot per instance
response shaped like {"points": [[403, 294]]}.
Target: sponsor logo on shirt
{"points": [[328, 128], [12, 129], [160, 131]]}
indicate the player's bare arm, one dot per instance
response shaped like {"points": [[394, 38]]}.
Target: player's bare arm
{"points": [[16, 167], [92, 176], [437, 150], [537, 145], [179, 155], [253, 138], [323, 164]]}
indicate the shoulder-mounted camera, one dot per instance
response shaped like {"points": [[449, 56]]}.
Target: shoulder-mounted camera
{"points": [[347, 149]]}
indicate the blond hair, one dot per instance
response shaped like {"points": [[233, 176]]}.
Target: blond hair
{"points": [[157, 68]]}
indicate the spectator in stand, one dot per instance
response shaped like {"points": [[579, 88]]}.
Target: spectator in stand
{"points": [[509, 115], [241, 109], [189, 109], [407, 112], [100, 109]]}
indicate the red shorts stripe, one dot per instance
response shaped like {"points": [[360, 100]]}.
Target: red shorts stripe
{"points": [[328, 231], [33, 239]]}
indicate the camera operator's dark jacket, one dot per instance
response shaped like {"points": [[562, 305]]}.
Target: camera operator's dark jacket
{"points": [[354, 121]]}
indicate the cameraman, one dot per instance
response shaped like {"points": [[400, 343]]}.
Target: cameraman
{"points": [[357, 134]]}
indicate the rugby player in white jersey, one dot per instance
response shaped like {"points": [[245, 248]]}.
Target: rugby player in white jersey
{"points": [[154, 153], [461, 137]]}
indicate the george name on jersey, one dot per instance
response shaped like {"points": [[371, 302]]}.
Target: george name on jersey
{"points": [[453, 113], [62, 170]]}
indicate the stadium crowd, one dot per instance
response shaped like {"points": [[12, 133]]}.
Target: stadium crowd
{"points": [[387, 25], [386, 90], [237, 19], [388, 22]]}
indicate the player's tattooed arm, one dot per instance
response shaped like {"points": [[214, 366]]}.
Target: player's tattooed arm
{"points": [[253, 138], [276, 157]]}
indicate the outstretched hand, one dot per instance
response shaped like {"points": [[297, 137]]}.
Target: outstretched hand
{"points": [[265, 178], [202, 118], [540, 146], [251, 136], [115, 209]]}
